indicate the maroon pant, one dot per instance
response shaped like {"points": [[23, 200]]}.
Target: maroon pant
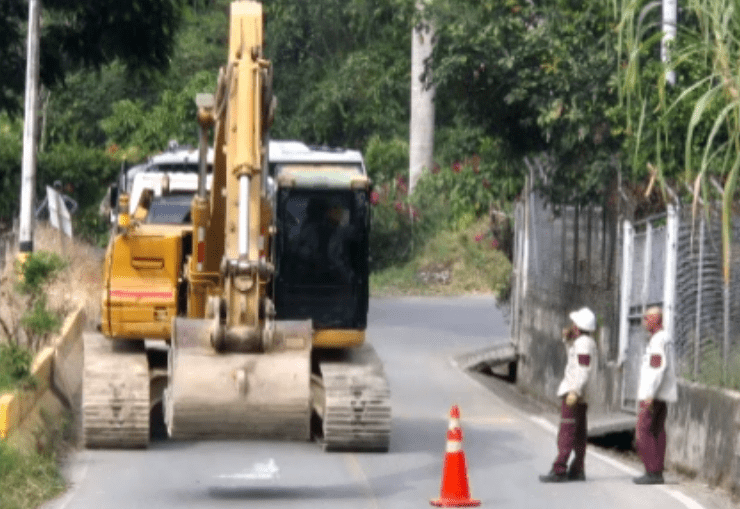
{"points": [[571, 438], [650, 435]]}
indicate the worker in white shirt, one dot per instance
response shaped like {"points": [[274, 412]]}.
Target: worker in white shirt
{"points": [[657, 388], [572, 435]]}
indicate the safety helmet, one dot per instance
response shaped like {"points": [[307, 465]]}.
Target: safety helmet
{"points": [[584, 319]]}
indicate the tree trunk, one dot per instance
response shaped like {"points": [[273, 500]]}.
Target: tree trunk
{"points": [[421, 143]]}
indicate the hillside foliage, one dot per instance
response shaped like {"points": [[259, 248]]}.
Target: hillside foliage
{"points": [[570, 93]]}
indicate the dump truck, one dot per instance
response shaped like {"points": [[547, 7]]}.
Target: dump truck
{"points": [[257, 304]]}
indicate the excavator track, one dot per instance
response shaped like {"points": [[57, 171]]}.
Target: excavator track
{"points": [[115, 393], [352, 397]]}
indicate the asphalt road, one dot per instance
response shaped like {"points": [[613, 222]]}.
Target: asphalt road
{"points": [[506, 447]]}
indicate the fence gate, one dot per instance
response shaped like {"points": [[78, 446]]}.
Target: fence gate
{"points": [[648, 275]]}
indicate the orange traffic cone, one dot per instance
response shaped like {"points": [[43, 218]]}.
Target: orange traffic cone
{"points": [[454, 491]]}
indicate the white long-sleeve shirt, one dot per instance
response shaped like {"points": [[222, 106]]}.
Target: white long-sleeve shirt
{"points": [[581, 359], [658, 373]]}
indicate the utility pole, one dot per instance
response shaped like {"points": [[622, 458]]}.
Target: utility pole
{"points": [[670, 19], [421, 142], [28, 178]]}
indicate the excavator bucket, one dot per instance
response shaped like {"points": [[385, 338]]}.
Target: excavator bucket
{"points": [[237, 395]]}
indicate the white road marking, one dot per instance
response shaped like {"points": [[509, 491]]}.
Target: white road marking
{"points": [[261, 471], [360, 476], [689, 502], [77, 476], [487, 419]]}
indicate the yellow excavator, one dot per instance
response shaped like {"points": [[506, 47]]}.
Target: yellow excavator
{"points": [[246, 320]]}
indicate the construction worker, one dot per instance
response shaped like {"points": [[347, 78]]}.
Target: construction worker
{"points": [[657, 388], [581, 351]]}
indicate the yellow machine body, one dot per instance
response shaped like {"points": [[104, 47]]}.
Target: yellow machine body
{"points": [[236, 368], [141, 284]]}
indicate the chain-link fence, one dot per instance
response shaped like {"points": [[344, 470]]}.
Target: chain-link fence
{"points": [[564, 258], [570, 248], [707, 325], [572, 252]]}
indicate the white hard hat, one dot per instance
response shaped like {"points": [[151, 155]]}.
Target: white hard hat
{"points": [[584, 319]]}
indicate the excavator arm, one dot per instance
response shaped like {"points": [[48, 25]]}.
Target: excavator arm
{"points": [[233, 371]]}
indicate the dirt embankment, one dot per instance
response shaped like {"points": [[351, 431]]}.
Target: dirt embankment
{"points": [[79, 283]]}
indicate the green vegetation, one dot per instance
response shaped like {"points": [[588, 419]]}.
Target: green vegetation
{"points": [[712, 366], [39, 268], [28, 479], [450, 263], [15, 367]]}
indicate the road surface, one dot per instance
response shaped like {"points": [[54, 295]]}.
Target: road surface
{"points": [[506, 448]]}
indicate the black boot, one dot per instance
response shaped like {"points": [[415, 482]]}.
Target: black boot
{"points": [[649, 478], [554, 477], [576, 475]]}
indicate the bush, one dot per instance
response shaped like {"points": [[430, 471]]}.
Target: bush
{"points": [[391, 232], [39, 268], [15, 367], [385, 159], [40, 320], [473, 256]]}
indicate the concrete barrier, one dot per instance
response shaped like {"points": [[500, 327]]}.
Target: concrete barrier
{"points": [[703, 429], [22, 412]]}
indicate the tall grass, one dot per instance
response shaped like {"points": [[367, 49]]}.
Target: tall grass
{"points": [[701, 112], [27, 480]]}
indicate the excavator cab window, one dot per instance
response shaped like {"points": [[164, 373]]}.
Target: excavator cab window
{"points": [[322, 256]]}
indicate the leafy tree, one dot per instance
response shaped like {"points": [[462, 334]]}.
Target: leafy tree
{"points": [[133, 125], [341, 68], [538, 75], [74, 35]]}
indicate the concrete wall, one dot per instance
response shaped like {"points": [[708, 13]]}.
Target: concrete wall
{"points": [[703, 430], [542, 355], [23, 412]]}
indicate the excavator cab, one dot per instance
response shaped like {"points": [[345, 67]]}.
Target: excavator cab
{"points": [[321, 253]]}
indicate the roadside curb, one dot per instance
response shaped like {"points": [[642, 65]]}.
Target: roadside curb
{"points": [[57, 382]]}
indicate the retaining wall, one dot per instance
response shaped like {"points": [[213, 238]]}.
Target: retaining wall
{"points": [[57, 369], [703, 430]]}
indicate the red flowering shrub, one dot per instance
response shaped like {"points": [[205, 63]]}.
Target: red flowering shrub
{"points": [[391, 224]]}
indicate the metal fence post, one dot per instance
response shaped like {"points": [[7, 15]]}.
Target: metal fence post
{"points": [[669, 278], [589, 211], [646, 259], [625, 290], [576, 242], [699, 284]]}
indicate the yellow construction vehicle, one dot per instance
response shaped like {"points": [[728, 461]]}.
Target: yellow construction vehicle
{"points": [[261, 297]]}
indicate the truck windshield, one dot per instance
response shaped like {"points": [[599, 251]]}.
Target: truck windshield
{"points": [[170, 209]]}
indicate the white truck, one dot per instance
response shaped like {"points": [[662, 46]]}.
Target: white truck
{"points": [[172, 176]]}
